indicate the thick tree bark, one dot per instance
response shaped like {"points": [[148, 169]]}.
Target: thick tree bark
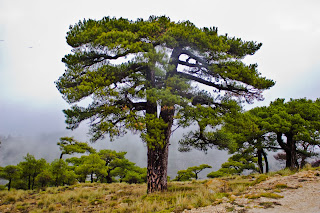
{"points": [[158, 156], [157, 168]]}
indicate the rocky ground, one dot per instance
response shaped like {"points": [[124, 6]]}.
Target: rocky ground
{"points": [[296, 193]]}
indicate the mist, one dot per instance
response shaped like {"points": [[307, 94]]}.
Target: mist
{"points": [[44, 145], [36, 130]]}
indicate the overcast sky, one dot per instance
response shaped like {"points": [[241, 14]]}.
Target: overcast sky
{"points": [[32, 43]]}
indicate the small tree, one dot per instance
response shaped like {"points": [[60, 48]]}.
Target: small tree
{"points": [[91, 165], [9, 173], [197, 169], [58, 171], [137, 175], [44, 178], [184, 175], [296, 126], [127, 171], [68, 146], [236, 164], [30, 168], [249, 136], [113, 160]]}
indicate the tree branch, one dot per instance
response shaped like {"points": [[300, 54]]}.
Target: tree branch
{"points": [[209, 83]]}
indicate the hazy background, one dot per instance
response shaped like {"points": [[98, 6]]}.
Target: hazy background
{"points": [[32, 43]]}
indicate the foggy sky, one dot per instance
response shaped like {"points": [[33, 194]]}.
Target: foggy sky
{"points": [[32, 43]]}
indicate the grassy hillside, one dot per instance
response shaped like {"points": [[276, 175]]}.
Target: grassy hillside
{"points": [[122, 197]]}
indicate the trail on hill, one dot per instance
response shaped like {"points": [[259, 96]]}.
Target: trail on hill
{"points": [[300, 191]]}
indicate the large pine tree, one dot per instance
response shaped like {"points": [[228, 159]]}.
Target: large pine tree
{"points": [[142, 75]]}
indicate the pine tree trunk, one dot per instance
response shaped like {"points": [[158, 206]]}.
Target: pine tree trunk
{"points": [[291, 155], [9, 184], [157, 168], [108, 177], [259, 153], [29, 182], [289, 148], [158, 156], [265, 160]]}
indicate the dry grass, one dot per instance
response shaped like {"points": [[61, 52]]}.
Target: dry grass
{"points": [[108, 198], [122, 197]]}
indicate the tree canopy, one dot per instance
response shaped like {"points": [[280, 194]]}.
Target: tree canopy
{"points": [[68, 145], [143, 74], [296, 126]]}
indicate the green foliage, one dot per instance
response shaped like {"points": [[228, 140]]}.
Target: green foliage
{"points": [[142, 75], [197, 169], [91, 165], [236, 164], [104, 166], [58, 171], [9, 173], [44, 178], [184, 175], [151, 72], [298, 121], [107, 166], [191, 172], [69, 146], [30, 168]]}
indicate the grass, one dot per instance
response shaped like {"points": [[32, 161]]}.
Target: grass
{"points": [[108, 198], [122, 197], [267, 205], [264, 194]]}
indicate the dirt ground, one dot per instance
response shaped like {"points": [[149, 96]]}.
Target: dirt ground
{"points": [[300, 191]]}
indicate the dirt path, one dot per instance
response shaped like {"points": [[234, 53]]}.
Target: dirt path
{"points": [[301, 193]]}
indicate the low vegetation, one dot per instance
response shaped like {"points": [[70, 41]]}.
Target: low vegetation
{"points": [[125, 197]]}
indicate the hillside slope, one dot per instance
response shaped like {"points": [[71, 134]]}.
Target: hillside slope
{"points": [[295, 193]]}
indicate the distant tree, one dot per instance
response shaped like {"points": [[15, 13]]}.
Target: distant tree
{"points": [[74, 164], [163, 62], [30, 168], [197, 169], [68, 145], [236, 164], [137, 175], [296, 125], [248, 135], [44, 178], [58, 171], [127, 171], [91, 165], [113, 159], [184, 175], [120, 167], [9, 173]]}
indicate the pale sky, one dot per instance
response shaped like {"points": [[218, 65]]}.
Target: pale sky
{"points": [[32, 43]]}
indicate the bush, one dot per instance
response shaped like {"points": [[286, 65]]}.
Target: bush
{"points": [[216, 174]]}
